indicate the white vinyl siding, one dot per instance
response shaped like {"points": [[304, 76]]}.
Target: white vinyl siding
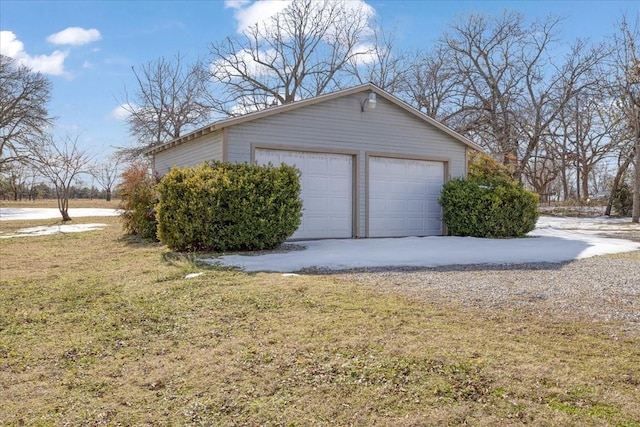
{"points": [[192, 153], [403, 197], [326, 191]]}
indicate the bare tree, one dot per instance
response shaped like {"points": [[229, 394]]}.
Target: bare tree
{"points": [[626, 91], [169, 99], [60, 162], [542, 169], [490, 58], [298, 53], [588, 128], [16, 179], [506, 94], [432, 85], [385, 65], [574, 82], [23, 113], [625, 158], [107, 174], [582, 136]]}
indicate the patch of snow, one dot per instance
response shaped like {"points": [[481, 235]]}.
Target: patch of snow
{"points": [[603, 223], [192, 275], [555, 240], [54, 229], [8, 214]]}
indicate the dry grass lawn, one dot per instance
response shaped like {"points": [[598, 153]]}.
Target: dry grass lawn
{"points": [[101, 329]]}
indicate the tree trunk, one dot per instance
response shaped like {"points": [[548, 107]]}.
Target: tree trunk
{"points": [[578, 186], [635, 215], [585, 182], [616, 182], [63, 202], [108, 194], [565, 179]]}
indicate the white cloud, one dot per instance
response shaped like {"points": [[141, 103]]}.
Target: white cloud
{"points": [[222, 71], [365, 54], [249, 13], [47, 64], [10, 45], [121, 112], [52, 64], [235, 4], [75, 36]]}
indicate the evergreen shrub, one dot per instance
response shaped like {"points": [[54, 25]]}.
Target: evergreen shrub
{"points": [[623, 200], [228, 207], [488, 203]]}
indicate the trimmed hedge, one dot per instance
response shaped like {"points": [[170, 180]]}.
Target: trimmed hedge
{"points": [[488, 204], [228, 207]]}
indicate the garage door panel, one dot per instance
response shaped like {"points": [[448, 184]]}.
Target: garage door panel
{"points": [[335, 225], [416, 206], [434, 224], [316, 183], [326, 190], [340, 207], [316, 223], [415, 188], [396, 186], [340, 182], [403, 197], [377, 205], [433, 209], [393, 223], [396, 208], [320, 167], [415, 223], [315, 204]]}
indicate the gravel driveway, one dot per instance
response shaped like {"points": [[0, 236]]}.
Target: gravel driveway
{"points": [[601, 288]]}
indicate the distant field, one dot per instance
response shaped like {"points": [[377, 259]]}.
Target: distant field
{"points": [[101, 329], [53, 203]]}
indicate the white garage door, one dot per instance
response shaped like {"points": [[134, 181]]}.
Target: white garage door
{"points": [[403, 197], [326, 191]]}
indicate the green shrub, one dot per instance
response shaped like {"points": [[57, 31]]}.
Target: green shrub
{"points": [[227, 207], [137, 200], [623, 200], [488, 205], [486, 169]]}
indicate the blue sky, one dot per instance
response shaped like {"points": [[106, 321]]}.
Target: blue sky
{"points": [[87, 48]]}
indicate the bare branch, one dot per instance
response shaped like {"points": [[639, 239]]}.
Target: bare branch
{"points": [[107, 173], [23, 114], [60, 162], [170, 98], [299, 53]]}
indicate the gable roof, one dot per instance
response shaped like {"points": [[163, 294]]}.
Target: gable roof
{"points": [[367, 87]]}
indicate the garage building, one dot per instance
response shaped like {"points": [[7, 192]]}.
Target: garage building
{"points": [[371, 165]]}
